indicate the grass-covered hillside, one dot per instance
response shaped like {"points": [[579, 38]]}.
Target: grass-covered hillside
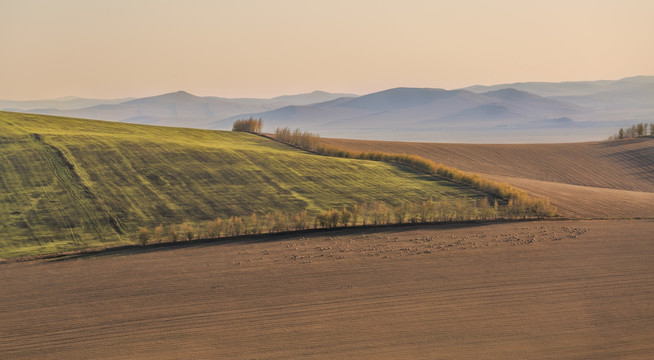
{"points": [[69, 183]]}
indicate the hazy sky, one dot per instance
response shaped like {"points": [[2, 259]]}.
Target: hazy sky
{"points": [[265, 48]]}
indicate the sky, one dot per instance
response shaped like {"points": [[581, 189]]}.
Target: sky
{"points": [[265, 48]]}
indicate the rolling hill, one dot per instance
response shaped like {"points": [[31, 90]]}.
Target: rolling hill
{"points": [[499, 290], [69, 183]]}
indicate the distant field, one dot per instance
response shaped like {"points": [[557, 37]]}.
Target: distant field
{"points": [[70, 183], [595, 179], [522, 290]]}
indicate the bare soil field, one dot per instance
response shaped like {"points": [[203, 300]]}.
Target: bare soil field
{"points": [[581, 289], [576, 201], [596, 169]]}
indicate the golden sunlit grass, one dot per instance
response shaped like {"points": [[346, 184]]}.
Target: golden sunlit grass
{"points": [[70, 183]]}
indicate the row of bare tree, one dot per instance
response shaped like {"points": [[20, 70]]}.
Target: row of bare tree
{"points": [[375, 213], [517, 204], [311, 142], [633, 131]]}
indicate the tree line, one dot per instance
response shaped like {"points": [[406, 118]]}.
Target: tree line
{"points": [[633, 131], [374, 213], [536, 207], [251, 125], [515, 203]]}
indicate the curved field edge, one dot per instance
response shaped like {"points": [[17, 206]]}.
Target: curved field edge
{"points": [[584, 180], [135, 248], [70, 183], [623, 165], [574, 201], [525, 204]]}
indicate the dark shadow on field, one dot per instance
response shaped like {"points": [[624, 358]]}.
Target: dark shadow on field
{"points": [[263, 238], [450, 188], [640, 161], [623, 142]]}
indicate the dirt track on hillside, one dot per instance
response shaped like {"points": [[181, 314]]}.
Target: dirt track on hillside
{"points": [[536, 290], [596, 169]]}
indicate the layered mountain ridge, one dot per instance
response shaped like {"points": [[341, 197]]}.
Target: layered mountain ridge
{"points": [[566, 111]]}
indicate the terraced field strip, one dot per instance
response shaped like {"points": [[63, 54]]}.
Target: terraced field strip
{"points": [[537, 290]]}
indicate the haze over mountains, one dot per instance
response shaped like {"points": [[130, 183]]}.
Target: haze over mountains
{"points": [[403, 111], [184, 109], [520, 112], [64, 103]]}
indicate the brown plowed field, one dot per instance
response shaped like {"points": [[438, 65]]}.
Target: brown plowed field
{"points": [[522, 290], [586, 201], [596, 168]]}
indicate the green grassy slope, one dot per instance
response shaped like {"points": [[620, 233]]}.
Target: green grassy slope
{"points": [[70, 183]]}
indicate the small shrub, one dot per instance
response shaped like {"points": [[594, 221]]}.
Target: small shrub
{"points": [[345, 216], [399, 212], [234, 226], [144, 236], [173, 234], [158, 233], [255, 223], [355, 214], [300, 220], [188, 231], [213, 228]]}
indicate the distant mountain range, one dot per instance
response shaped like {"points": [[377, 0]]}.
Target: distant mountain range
{"points": [[184, 109], [519, 112], [629, 94], [420, 109]]}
